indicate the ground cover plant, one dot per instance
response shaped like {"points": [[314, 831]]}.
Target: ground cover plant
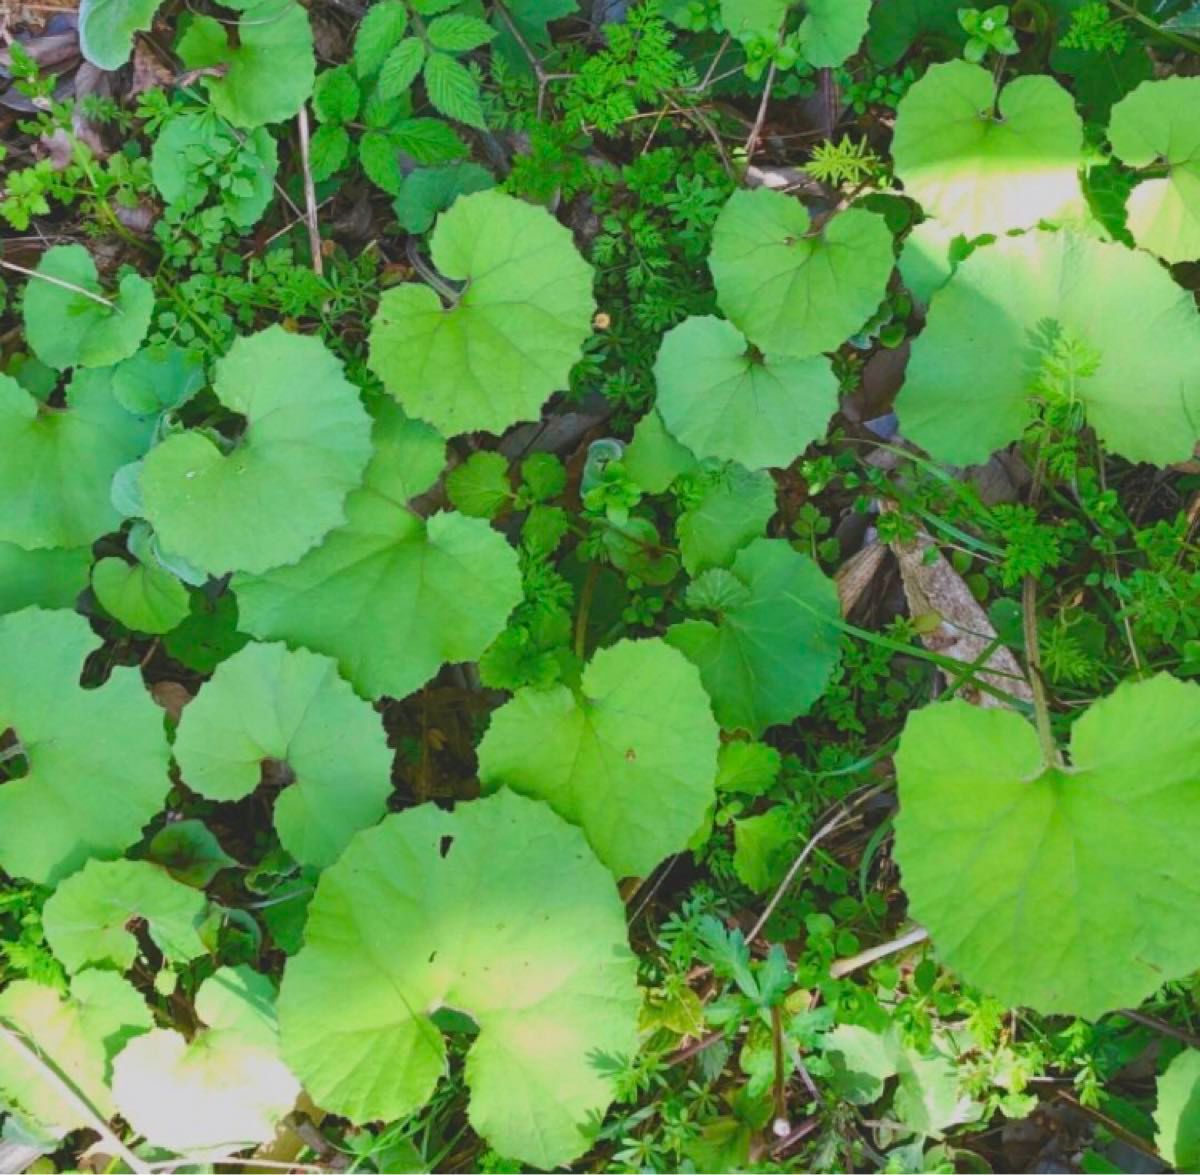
{"points": [[608, 587]]}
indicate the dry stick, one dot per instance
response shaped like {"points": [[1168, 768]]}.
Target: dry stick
{"points": [[67, 1091], [310, 196], [843, 967], [1161, 1026], [58, 281], [761, 116], [535, 62]]}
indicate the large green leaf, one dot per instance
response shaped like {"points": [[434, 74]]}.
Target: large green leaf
{"points": [[1068, 889], [142, 595], [727, 506], [284, 485], [753, 20], [97, 758], [723, 401], [390, 595], [793, 292], [59, 462], [88, 919], [220, 1091], [1019, 310], [499, 910], [983, 166], [832, 30], [66, 328], [773, 647], [49, 578], [631, 757], [510, 337], [267, 73], [1160, 121], [1177, 1115], [78, 1034], [898, 23], [107, 28], [290, 712]]}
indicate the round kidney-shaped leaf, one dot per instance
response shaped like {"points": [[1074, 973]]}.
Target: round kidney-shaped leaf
{"points": [[107, 28], [224, 1089], [1067, 889], [288, 715], [49, 578], [67, 328], [499, 910], [79, 1034], [284, 485], [772, 649], [88, 919], [1160, 120], [793, 292], [1177, 1115], [631, 758], [980, 169], [722, 401], [143, 597], [391, 596], [97, 759], [1019, 314], [513, 333], [832, 30]]}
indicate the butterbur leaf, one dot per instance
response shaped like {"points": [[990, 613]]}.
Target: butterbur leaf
{"points": [[764, 846], [90, 916], [390, 595], [832, 30], [1018, 314], [382, 26], [208, 635], [980, 170], [1160, 120], [748, 768], [1177, 1115], [142, 596], [219, 1092], [733, 506], [49, 578], [792, 292], [284, 485], [544, 971], [401, 67], [157, 379], [768, 658], [289, 716], [107, 29], [898, 24], [721, 400], [631, 757], [512, 335], [78, 1034], [97, 758], [268, 72], [430, 190], [1065, 889], [654, 458], [751, 20], [66, 328]]}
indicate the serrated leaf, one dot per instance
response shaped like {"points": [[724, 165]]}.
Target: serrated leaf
{"points": [[768, 659], [224, 1089], [65, 328], [266, 708], [427, 140], [1065, 889], [107, 29], [380, 158], [391, 596], [631, 757], [721, 400], [479, 487], [143, 597], [545, 972], [97, 758], [284, 485], [79, 1034], [49, 578], [87, 918], [382, 26], [269, 70], [453, 90], [329, 149], [456, 32], [832, 30], [764, 846], [401, 68], [748, 768], [336, 96], [733, 507], [511, 337], [983, 172], [1160, 120], [996, 322], [1177, 1114], [791, 293]]}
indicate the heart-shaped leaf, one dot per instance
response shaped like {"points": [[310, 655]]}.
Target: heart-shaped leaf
{"points": [[49, 578], [107, 28]]}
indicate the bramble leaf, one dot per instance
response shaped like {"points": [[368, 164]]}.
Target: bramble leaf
{"points": [[792, 292], [631, 757], [512, 335], [289, 714], [97, 758], [390, 595], [1065, 889], [498, 910], [1055, 317], [284, 485]]}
